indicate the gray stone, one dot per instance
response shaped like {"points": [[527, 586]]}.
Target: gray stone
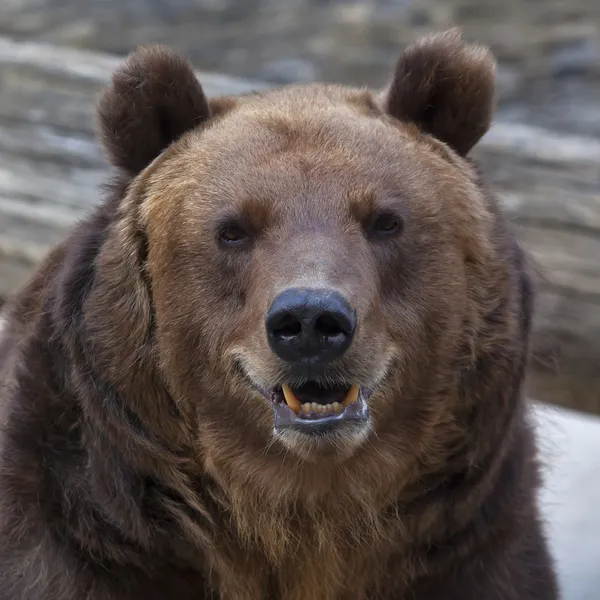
{"points": [[508, 81], [539, 45], [289, 70], [576, 58]]}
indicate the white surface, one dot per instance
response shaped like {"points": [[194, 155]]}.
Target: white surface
{"points": [[570, 449]]}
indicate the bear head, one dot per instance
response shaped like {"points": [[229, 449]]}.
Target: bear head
{"points": [[312, 274]]}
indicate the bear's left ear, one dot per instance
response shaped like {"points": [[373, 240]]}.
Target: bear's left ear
{"points": [[154, 98], [446, 88]]}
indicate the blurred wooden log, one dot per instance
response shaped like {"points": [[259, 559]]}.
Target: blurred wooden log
{"points": [[51, 168]]}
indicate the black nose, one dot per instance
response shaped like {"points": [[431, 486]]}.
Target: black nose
{"points": [[310, 325]]}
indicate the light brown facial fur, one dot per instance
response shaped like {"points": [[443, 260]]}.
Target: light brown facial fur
{"points": [[316, 172], [222, 205]]}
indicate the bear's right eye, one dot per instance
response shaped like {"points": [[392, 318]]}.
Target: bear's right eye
{"points": [[234, 235]]}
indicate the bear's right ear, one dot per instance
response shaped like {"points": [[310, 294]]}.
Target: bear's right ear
{"points": [[154, 98]]}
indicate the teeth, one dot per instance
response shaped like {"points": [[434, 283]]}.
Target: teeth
{"points": [[314, 409], [290, 398], [352, 396]]}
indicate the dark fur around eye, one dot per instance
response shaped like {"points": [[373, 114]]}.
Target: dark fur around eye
{"points": [[385, 225], [232, 234]]}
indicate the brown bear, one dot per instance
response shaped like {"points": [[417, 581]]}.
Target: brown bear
{"points": [[284, 359]]}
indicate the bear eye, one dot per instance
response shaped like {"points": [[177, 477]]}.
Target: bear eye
{"points": [[234, 235], [386, 225]]}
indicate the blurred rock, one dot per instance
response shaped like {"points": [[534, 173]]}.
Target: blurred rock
{"points": [[548, 52], [289, 70], [577, 58]]}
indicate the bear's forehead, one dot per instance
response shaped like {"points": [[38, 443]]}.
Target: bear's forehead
{"points": [[337, 134], [317, 117], [300, 147], [278, 158]]}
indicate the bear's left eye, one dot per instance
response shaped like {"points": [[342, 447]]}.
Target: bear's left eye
{"points": [[386, 225], [234, 235]]}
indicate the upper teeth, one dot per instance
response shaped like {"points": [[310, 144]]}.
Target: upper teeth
{"points": [[309, 408], [351, 396], [290, 398]]}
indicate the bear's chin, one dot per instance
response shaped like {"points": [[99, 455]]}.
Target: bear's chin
{"points": [[334, 440]]}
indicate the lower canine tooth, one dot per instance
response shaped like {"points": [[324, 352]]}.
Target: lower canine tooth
{"points": [[290, 398], [351, 396]]}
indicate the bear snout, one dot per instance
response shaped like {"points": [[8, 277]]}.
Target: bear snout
{"points": [[310, 326]]}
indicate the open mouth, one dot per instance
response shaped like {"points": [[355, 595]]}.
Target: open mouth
{"points": [[314, 403]]}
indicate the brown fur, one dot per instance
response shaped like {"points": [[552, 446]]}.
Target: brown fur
{"points": [[137, 458]]}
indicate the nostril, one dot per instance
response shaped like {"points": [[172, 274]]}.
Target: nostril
{"points": [[307, 324], [287, 326], [329, 326]]}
